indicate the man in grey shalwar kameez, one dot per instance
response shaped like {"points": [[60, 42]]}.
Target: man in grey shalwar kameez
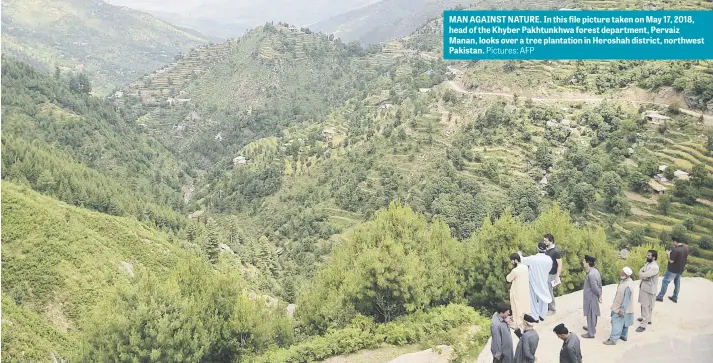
{"points": [[527, 346], [592, 293], [501, 343], [571, 352]]}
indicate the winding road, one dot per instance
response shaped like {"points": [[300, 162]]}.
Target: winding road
{"points": [[455, 86]]}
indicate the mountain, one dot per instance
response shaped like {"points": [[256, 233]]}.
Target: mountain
{"points": [[217, 99], [230, 19], [388, 20], [111, 44], [286, 196]]}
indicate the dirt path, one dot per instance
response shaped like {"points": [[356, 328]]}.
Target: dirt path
{"points": [[681, 332], [455, 86]]}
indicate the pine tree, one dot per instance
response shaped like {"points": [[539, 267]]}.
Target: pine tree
{"points": [[45, 182], [212, 245], [265, 259], [191, 232]]}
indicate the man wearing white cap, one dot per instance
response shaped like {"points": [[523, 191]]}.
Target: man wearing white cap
{"points": [[622, 309]]}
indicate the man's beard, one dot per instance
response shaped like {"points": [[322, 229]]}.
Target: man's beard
{"points": [[649, 260]]}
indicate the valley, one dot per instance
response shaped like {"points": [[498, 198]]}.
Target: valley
{"points": [[285, 196]]}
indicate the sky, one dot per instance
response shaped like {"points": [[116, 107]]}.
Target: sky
{"points": [[230, 18]]}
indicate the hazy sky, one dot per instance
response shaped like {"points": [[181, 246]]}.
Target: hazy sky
{"points": [[230, 18], [307, 11]]}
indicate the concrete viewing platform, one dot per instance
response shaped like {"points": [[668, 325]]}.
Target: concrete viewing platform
{"points": [[679, 332]]}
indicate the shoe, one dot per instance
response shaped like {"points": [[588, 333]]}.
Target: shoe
{"points": [[672, 299], [640, 319], [587, 336], [541, 319], [609, 342], [585, 328], [659, 299], [624, 339], [649, 323], [640, 329]]}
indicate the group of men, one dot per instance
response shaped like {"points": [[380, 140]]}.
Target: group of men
{"points": [[533, 279]]}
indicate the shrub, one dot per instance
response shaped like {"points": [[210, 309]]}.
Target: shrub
{"points": [[363, 333]]}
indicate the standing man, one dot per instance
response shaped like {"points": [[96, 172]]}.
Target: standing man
{"points": [[527, 346], [649, 275], [622, 309], [592, 293], [555, 271], [677, 259], [501, 344], [539, 266], [519, 291], [571, 351]]}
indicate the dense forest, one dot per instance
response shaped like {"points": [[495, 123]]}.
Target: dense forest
{"points": [[310, 198]]}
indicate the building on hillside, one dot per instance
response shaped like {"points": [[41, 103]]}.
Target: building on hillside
{"points": [[196, 215], [680, 174], [656, 187], [661, 178], [656, 118], [329, 133], [239, 160]]}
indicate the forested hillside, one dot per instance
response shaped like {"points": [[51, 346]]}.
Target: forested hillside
{"points": [[287, 197], [111, 44]]}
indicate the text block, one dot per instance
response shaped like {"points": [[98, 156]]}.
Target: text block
{"points": [[578, 34]]}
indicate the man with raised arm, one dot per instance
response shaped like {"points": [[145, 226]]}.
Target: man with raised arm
{"points": [[539, 266], [556, 270]]}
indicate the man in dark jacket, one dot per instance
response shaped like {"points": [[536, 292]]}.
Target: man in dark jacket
{"points": [[571, 352], [677, 259], [501, 344], [527, 346]]}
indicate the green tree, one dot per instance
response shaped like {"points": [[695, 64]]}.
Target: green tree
{"points": [[583, 195], [195, 315], [212, 245], [669, 172], [664, 204], [699, 173], [393, 265], [709, 140], [685, 190], [46, 182], [525, 201], [639, 182], [543, 157]]}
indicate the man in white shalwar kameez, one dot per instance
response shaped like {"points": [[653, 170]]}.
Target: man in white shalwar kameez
{"points": [[519, 291], [539, 266]]}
